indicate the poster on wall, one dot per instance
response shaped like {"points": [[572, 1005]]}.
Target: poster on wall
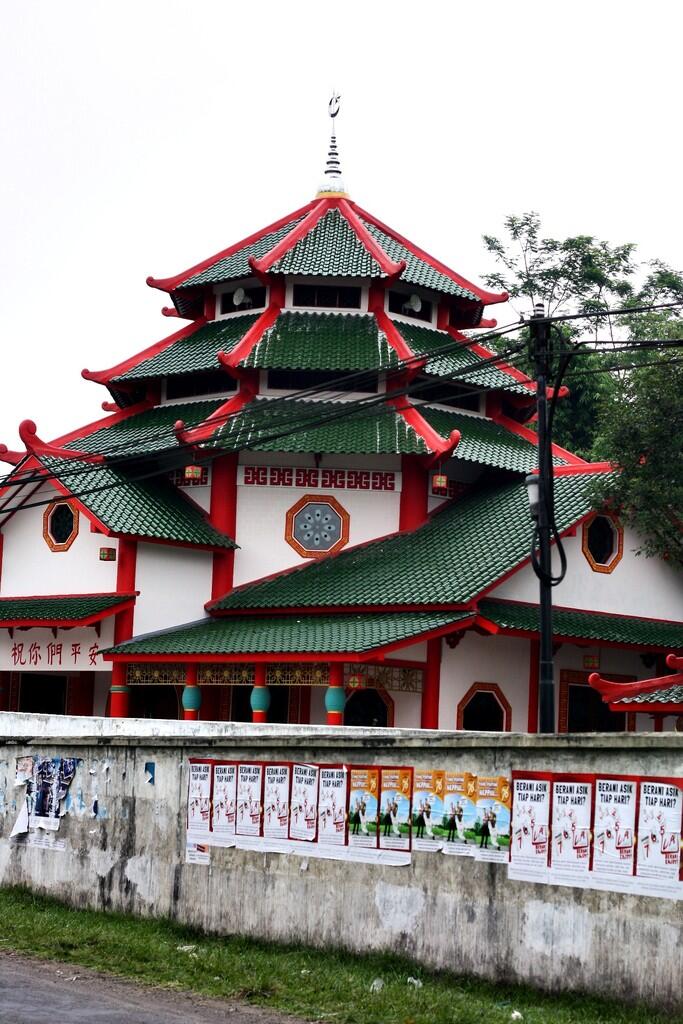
{"points": [[658, 859], [394, 808], [332, 801], [530, 827], [460, 814], [224, 805], [570, 844], [428, 809], [46, 781], [197, 853], [199, 799], [303, 819], [276, 801], [614, 828], [363, 807], [249, 799], [494, 795]]}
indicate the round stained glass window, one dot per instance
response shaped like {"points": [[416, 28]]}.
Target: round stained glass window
{"points": [[317, 525]]}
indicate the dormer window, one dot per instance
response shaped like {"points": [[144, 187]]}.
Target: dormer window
{"points": [[326, 296], [412, 305], [242, 299]]}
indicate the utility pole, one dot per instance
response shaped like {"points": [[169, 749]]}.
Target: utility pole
{"points": [[540, 349]]}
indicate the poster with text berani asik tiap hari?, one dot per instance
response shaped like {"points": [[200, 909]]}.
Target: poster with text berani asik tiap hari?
{"points": [[530, 827], [363, 807], [249, 795], [332, 794], [394, 808], [658, 859], [570, 846], [276, 789], [303, 819], [614, 833], [199, 798], [460, 814], [224, 804]]}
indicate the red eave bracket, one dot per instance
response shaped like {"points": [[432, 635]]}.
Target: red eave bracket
{"points": [[35, 446]]}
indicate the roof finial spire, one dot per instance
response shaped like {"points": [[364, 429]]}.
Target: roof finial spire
{"points": [[333, 183]]}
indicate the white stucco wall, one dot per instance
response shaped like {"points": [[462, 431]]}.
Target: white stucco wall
{"points": [[40, 651], [647, 587], [501, 660], [261, 513], [29, 566], [174, 584]]}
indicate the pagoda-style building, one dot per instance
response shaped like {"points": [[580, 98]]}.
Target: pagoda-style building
{"points": [[308, 504]]}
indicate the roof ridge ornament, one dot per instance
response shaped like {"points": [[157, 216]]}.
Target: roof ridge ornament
{"points": [[333, 184]]}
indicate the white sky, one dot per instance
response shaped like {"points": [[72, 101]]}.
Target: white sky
{"points": [[140, 136]]}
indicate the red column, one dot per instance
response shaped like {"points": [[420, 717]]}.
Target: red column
{"points": [[534, 655], [192, 696], [432, 686], [223, 515], [413, 507], [123, 625], [335, 696], [260, 697]]}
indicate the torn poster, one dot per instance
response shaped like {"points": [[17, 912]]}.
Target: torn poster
{"points": [[224, 805], [304, 815]]}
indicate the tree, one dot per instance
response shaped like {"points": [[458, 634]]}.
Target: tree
{"points": [[625, 407], [577, 273]]}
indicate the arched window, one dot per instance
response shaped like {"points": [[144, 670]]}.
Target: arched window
{"points": [[369, 706], [602, 541], [484, 708]]}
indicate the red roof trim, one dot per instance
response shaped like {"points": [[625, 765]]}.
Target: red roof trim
{"points": [[105, 421], [390, 267], [218, 417], [486, 353], [440, 446], [167, 284], [34, 445], [608, 689], [104, 376], [244, 347], [393, 335], [298, 232], [530, 435], [592, 611], [488, 298]]}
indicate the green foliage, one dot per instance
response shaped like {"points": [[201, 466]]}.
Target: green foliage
{"points": [[311, 984], [620, 408]]}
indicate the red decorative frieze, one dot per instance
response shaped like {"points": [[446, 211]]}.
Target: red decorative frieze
{"points": [[333, 479]]}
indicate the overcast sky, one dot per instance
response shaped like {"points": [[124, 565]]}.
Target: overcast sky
{"points": [[140, 137]]}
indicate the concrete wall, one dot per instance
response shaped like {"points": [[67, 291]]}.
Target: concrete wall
{"points": [[445, 912]]}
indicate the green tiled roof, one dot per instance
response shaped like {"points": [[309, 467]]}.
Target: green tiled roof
{"points": [[151, 508], [237, 265], [484, 441], [418, 271], [620, 629], [70, 608], [666, 695], [457, 554], [199, 351], [323, 341], [324, 634], [292, 426], [331, 247], [457, 360], [144, 432]]}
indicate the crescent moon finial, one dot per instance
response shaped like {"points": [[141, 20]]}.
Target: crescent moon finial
{"points": [[333, 105]]}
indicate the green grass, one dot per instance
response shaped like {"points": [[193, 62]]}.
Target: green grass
{"points": [[323, 986]]}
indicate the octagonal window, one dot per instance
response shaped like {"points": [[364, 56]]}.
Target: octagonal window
{"points": [[60, 525], [602, 542], [317, 525]]}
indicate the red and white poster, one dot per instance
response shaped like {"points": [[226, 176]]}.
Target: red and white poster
{"points": [[199, 799], [224, 804], [570, 845], [396, 785], [249, 793], [530, 827], [658, 858], [276, 801], [614, 828], [332, 800], [303, 819]]}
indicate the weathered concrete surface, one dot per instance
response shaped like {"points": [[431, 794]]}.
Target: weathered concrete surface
{"points": [[31, 990], [446, 912]]}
